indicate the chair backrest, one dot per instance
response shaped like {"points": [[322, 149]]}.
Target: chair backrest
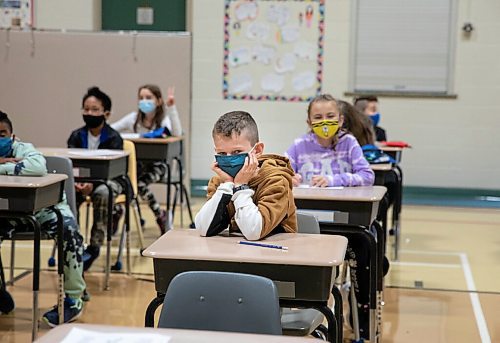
{"points": [[307, 223], [63, 165], [221, 301], [132, 164]]}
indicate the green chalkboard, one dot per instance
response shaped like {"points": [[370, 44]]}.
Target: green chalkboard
{"points": [[168, 15]]}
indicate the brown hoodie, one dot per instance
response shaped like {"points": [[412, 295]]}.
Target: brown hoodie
{"points": [[273, 195]]}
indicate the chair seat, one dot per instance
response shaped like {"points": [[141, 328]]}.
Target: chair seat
{"points": [[300, 322]]}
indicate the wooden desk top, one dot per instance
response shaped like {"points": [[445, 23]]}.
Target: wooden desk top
{"points": [[84, 154], [30, 181], [167, 140], [303, 249], [358, 194], [58, 333], [381, 167]]}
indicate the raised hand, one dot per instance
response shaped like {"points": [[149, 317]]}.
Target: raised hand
{"points": [[170, 96]]}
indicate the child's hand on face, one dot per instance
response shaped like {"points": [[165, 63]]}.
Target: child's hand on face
{"points": [[249, 170], [319, 181], [170, 97], [296, 180], [224, 177], [9, 159]]}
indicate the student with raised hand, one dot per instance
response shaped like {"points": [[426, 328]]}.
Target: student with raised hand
{"points": [[97, 134], [369, 106], [19, 158], [151, 120], [251, 192], [327, 155], [330, 156]]}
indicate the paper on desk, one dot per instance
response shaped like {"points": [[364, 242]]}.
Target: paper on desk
{"points": [[78, 335], [309, 186], [130, 135], [94, 153]]}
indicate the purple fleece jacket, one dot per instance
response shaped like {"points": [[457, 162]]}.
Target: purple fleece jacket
{"points": [[343, 166]]}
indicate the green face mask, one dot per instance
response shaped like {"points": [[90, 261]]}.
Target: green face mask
{"points": [[325, 128]]}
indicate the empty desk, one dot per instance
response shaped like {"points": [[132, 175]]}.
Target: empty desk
{"points": [[349, 210], [171, 335], [304, 274]]}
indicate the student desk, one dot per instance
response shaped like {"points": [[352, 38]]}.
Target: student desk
{"points": [[380, 171], [397, 154], [98, 167], [350, 210], [21, 197], [304, 273], [160, 149], [175, 335]]}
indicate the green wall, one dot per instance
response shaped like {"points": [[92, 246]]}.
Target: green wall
{"points": [[169, 15]]}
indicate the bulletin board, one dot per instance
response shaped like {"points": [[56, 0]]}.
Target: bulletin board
{"points": [[273, 49], [16, 13]]}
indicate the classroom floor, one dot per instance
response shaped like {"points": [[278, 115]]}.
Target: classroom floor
{"points": [[444, 288]]}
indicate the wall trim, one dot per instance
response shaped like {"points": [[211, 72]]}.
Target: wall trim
{"points": [[417, 195]]}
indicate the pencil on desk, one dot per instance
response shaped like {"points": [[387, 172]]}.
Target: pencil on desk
{"points": [[263, 245]]}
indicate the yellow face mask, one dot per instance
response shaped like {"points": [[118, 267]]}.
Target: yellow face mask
{"points": [[325, 128]]}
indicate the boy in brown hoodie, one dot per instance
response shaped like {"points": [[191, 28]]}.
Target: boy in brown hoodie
{"points": [[252, 192]]}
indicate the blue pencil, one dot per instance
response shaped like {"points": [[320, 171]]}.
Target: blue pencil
{"points": [[263, 245]]}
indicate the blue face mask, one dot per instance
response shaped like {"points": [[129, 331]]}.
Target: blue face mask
{"points": [[375, 118], [147, 106], [5, 146], [231, 164]]}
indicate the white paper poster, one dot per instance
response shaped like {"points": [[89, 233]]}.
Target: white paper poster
{"points": [[16, 13], [273, 49]]}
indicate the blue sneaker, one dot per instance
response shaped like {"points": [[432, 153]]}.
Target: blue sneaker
{"points": [[89, 256], [6, 302], [72, 311]]}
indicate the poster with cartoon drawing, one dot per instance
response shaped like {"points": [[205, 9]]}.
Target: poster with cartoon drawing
{"points": [[16, 13], [273, 49]]}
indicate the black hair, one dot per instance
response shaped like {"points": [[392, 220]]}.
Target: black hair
{"points": [[234, 123], [4, 118], [100, 95]]}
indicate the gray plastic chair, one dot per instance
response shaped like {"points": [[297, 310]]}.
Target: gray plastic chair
{"points": [[221, 301], [303, 322], [62, 165]]}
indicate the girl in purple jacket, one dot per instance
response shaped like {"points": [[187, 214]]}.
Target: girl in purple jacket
{"points": [[328, 155]]}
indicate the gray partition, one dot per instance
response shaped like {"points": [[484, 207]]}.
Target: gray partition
{"points": [[43, 76]]}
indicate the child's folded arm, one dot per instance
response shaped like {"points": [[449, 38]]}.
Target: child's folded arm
{"points": [[213, 217], [247, 215], [31, 162], [258, 221]]}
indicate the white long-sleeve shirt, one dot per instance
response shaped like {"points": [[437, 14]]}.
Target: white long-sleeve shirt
{"points": [[171, 121], [213, 217]]}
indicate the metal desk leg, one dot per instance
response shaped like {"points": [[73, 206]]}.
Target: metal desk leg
{"points": [[396, 212], [169, 210], [339, 315], [149, 320], [333, 328], [36, 273], [108, 235], [60, 264], [127, 220]]}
